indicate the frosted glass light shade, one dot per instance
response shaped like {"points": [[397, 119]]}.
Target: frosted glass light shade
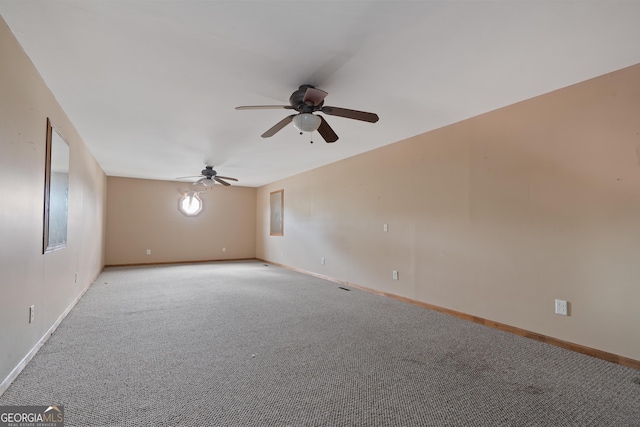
{"points": [[306, 122], [208, 182]]}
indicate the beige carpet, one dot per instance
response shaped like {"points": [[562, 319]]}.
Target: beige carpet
{"points": [[245, 344]]}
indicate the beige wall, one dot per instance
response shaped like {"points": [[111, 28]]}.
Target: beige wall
{"points": [[143, 214], [27, 277], [495, 216]]}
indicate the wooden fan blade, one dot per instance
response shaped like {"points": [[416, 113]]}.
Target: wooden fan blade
{"points": [[314, 96], [282, 123], [326, 132], [350, 114], [221, 181], [226, 177], [264, 107]]}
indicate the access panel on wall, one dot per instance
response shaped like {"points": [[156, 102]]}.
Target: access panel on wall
{"points": [[277, 208]]}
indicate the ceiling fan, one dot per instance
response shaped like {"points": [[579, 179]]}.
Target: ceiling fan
{"points": [[307, 100], [208, 177]]}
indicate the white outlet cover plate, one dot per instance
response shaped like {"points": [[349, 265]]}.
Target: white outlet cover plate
{"points": [[561, 307]]}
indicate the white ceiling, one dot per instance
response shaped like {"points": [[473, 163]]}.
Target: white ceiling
{"points": [[151, 86]]}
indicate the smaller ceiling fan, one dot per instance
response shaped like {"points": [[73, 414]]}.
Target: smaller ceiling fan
{"points": [[208, 177], [307, 100]]}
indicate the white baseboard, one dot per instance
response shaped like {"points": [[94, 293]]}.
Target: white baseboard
{"points": [[4, 385]]}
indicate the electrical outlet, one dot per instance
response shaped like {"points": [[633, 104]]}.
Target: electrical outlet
{"points": [[224, 249], [395, 274], [562, 307], [76, 277], [32, 313], [385, 227], [148, 251], [323, 262]]}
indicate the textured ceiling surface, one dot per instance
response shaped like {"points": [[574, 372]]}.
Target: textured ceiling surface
{"points": [[152, 86]]}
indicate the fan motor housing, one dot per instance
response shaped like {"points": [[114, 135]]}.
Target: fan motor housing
{"points": [[208, 172], [296, 100]]}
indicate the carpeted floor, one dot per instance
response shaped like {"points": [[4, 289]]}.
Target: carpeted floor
{"points": [[246, 344]]}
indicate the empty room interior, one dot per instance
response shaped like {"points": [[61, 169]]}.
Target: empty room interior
{"points": [[474, 161]]}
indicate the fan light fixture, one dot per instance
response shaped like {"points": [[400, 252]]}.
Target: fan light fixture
{"points": [[208, 182], [306, 122]]}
